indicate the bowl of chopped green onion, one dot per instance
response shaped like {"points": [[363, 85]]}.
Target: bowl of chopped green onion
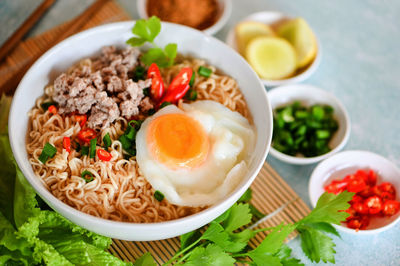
{"points": [[310, 124]]}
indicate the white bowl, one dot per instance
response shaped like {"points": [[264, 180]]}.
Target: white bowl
{"points": [[347, 162], [223, 16], [270, 17], [89, 43], [309, 95]]}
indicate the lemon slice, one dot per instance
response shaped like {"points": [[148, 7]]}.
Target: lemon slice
{"points": [[271, 57], [247, 30], [300, 35]]}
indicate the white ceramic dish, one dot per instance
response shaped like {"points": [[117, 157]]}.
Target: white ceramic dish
{"points": [[89, 43], [309, 95], [347, 162], [223, 16], [270, 17]]}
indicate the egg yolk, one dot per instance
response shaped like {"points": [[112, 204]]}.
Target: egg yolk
{"points": [[178, 141]]}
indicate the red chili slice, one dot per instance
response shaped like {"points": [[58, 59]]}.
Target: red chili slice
{"points": [[354, 224], [366, 192], [352, 213], [53, 109], [179, 86], [372, 177], [336, 186], [356, 198], [390, 207], [157, 84], [376, 190], [387, 196], [387, 187], [81, 119], [85, 135], [104, 155], [67, 144], [364, 222], [374, 204], [356, 185]]}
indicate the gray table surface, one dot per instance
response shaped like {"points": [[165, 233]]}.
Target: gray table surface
{"points": [[360, 65]]}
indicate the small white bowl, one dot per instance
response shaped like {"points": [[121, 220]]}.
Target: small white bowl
{"points": [[87, 44], [225, 11], [309, 95], [270, 17], [347, 162]]}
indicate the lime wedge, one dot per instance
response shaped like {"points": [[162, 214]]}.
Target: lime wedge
{"points": [[300, 35], [247, 30], [271, 57]]}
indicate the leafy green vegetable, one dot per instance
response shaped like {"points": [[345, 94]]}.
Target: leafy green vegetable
{"points": [[30, 235], [147, 31], [145, 260], [316, 245], [211, 255]]}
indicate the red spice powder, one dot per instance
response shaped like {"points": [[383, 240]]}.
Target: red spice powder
{"points": [[199, 14]]}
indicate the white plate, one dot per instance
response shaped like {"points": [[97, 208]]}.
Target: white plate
{"points": [[310, 95], [347, 162], [270, 17]]}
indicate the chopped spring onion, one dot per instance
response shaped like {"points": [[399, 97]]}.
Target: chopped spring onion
{"points": [[164, 104], [204, 71], [135, 123], [48, 152], [158, 195], [77, 146], [151, 111], [131, 151], [139, 73], [126, 143], [107, 140], [191, 82], [87, 175], [146, 91], [46, 105], [130, 132], [84, 150], [92, 148], [191, 95]]}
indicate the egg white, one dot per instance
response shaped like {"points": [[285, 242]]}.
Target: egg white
{"points": [[231, 140]]}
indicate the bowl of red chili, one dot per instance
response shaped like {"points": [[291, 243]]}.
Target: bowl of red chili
{"points": [[375, 206]]}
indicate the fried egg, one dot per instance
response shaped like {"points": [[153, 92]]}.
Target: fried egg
{"points": [[195, 155]]}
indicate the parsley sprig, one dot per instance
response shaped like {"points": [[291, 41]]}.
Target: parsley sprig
{"points": [[222, 243], [146, 31]]}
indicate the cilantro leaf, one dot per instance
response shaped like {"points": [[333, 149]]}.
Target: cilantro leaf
{"points": [[284, 255], [145, 260], [255, 212], [170, 51], [316, 245], [223, 216], [266, 259], [328, 228], [189, 238], [238, 216], [147, 29], [216, 233], [243, 236], [273, 241], [155, 55], [330, 209], [247, 195], [134, 41], [210, 255]]}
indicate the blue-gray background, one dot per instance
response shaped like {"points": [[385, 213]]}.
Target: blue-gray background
{"points": [[360, 65]]}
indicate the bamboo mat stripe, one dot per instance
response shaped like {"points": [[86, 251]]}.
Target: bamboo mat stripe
{"points": [[271, 194]]}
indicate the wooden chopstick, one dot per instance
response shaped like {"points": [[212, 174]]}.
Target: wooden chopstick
{"points": [[24, 28], [11, 84]]}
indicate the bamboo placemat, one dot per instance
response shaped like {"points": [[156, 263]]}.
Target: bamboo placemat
{"points": [[271, 194]]}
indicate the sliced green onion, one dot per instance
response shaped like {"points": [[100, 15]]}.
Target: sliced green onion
{"points": [[92, 149], [151, 111], [107, 140], [191, 95], [139, 73], [165, 104], [158, 195], [130, 132], [191, 82], [146, 91], [322, 134], [85, 174], [135, 123], [317, 112], [78, 146], [204, 71], [126, 143], [48, 152], [131, 151], [85, 150], [46, 105]]}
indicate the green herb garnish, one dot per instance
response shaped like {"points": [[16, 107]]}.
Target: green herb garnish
{"points": [[45, 106], [92, 148], [204, 71], [191, 95], [158, 195], [303, 130], [107, 141], [87, 175], [164, 104], [146, 30], [84, 150], [48, 152], [191, 82]]}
